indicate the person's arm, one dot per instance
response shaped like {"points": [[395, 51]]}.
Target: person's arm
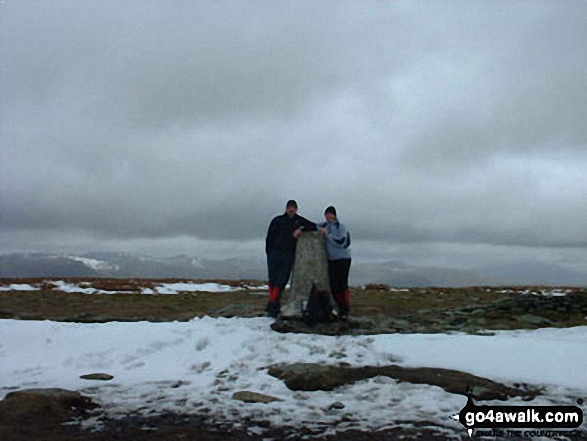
{"points": [[302, 225], [339, 237], [270, 235], [307, 225]]}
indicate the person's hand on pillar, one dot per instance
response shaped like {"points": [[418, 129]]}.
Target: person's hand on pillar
{"points": [[297, 233]]}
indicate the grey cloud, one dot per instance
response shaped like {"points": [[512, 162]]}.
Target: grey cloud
{"points": [[523, 94], [148, 65], [421, 122]]}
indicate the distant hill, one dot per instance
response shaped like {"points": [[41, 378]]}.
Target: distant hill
{"points": [[393, 273], [125, 265], [531, 272], [398, 274]]}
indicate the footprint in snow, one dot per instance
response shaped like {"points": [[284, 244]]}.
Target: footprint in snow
{"points": [[202, 343], [135, 366]]}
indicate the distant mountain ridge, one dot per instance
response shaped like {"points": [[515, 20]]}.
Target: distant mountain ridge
{"points": [[393, 273], [532, 272], [125, 265]]}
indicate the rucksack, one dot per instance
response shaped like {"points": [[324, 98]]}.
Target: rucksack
{"points": [[318, 308]]}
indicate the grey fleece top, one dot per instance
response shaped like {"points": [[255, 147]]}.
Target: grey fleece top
{"points": [[338, 240]]}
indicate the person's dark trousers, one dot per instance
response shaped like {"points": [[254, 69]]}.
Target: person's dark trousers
{"points": [[279, 265], [338, 271]]}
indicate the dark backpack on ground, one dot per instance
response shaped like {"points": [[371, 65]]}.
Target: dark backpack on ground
{"points": [[318, 308]]}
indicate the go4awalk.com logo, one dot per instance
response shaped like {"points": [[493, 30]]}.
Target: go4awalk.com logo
{"points": [[520, 417]]}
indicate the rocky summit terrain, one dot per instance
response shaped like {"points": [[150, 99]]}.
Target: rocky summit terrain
{"points": [[56, 414], [375, 308]]}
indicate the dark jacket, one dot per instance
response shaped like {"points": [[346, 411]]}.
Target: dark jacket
{"points": [[281, 229]]}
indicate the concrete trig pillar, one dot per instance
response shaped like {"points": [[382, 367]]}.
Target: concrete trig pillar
{"points": [[311, 266]]}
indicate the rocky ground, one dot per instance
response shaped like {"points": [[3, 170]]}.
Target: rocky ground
{"points": [[375, 309], [51, 415]]}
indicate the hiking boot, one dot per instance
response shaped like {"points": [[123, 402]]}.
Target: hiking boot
{"points": [[343, 314], [273, 309]]}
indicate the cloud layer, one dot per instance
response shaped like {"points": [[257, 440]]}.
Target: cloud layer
{"points": [[421, 122]]}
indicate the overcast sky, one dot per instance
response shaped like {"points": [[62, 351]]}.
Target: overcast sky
{"points": [[456, 130]]}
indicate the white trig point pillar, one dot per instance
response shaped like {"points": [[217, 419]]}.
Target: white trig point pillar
{"points": [[310, 267]]}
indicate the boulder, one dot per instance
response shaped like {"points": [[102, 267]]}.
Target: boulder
{"points": [[253, 397], [337, 405], [533, 320], [43, 407], [312, 377], [97, 376]]}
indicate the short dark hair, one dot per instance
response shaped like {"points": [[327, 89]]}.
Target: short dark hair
{"points": [[291, 203], [330, 209]]}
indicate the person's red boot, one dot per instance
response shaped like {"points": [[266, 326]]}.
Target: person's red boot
{"points": [[343, 311], [340, 303], [273, 308]]}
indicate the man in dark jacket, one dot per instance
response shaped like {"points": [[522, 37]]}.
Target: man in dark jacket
{"points": [[280, 246]]}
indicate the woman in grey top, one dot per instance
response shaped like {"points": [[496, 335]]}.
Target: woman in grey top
{"points": [[338, 240]]}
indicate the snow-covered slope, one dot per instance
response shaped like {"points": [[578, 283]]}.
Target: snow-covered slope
{"points": [[95, 264], [192, 366]]}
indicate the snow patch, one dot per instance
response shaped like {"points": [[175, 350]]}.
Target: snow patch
{"points": [[68, 287], [19, 287], [262, 288], [165, 288], [98, 265], [544, 292], [175, 288]]}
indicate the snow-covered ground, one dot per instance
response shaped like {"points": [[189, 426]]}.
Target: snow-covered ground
{"points": [[196, 366], [164, 288]]}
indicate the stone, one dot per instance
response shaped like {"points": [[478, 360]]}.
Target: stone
{"points": [[533, 319], [401, 323], [337, 355], [97, 376], [222, 374], [458, 321], [312, 377], [337, 405], [43, 407], [253, 397], [479, 391], [310, 268]]}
